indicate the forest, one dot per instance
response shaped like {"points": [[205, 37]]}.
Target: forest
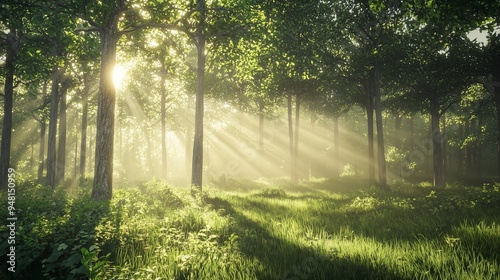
{"points": [[250, 139]]}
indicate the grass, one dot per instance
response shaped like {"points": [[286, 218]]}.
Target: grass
{"points": [[322, 229]]}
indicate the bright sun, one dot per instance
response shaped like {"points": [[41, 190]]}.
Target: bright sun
{"points": [[118, 75]]}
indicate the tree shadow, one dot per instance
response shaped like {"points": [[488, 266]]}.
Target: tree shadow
{"points": [[282, 259]]}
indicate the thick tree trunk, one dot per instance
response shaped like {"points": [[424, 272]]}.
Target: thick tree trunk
{"points": [[439, 180], [497, 105], [336, 148], [290, 136], [371, 150], [41, 151], [103, 169], [8, 103], [61, 149], [382, 179], [197, 170], [163, 74], [85, 112], [51, 147]]}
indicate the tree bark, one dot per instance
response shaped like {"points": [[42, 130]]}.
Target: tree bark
{"points": [[8, 103], [397, 130], [51, 147], [85, 112], [382, 179], [467, 148], [460, 151], [295, 178], [445, 146], [163, 74], [197, 169], [371, 150], [261, 125], [290, 137], [336, 148], [103, 169], [439, 180], [61, 149], [41, 152], [497, 106]]}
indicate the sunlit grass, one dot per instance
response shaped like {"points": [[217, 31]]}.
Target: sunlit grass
{"points": [[317, 230]]}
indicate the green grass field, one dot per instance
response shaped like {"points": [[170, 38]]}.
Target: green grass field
{"points": [[322, 229]]}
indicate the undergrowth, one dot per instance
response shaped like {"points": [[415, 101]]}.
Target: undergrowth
{"points": [[310, 231]]}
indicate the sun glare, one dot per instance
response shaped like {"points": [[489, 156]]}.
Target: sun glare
{"points": [[118, 76]]}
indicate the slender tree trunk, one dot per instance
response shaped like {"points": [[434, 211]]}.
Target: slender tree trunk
{"points": [[497, 106], [336, 148], [61, 149], [445, 146], [197, 170], [480, 147], [163, 75], [189, 139], [382, 179], [8, 103], [75, 161], [85, 112], [460, 151], [397, 130], [411, 137], [295, 179], [371, 150], [103, 168], [290, 137], [51, 147], [439, 180], [261, 125], [41, 152], [468, 156]]}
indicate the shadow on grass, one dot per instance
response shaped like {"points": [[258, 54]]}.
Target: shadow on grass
{"points": [[282, 259]]}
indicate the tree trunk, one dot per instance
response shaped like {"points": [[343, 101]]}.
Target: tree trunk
{"points": [[85, 112], [497, 106], [163, 74], [8, 103], [480, 147], [382, 179], [295, 179], [290, 137], [51, 147], [460, 151], [197, 170], [411, 137], [467, 148], [439, 181], [397, 130], [61, 149], [41, 152], [103, 169], [371, 150], [261, 125], [445, 146], [336, 148]]}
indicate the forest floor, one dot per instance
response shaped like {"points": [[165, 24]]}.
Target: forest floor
{"points": [[321, 229]]}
